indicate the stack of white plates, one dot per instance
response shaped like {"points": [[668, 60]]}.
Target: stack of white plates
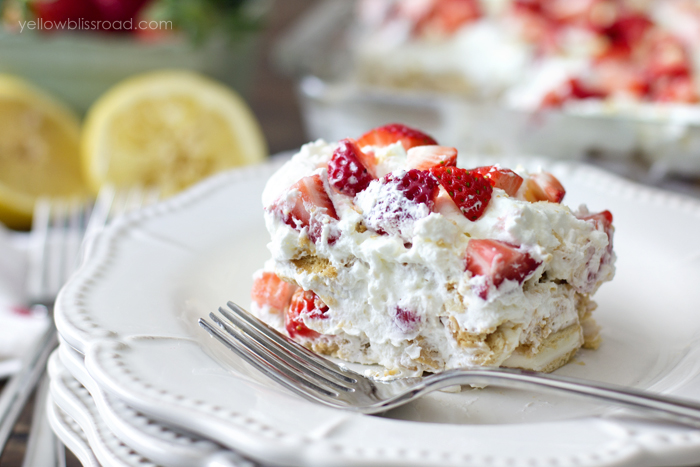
{"points": [[136, 382]]}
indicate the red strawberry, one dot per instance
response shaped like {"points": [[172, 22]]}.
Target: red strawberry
{"points": [[625, 34], [674, 89], [346, 173], [666, 56], [304, 205], [304, 303], [573, 89], [395, 132], [60, 11], [119, 10], [398, 202], [497, 261], [268, 289], [447, 16], [427, 157], [602, 219], [544, 186], [470, 191], [619, 76], [408, 321], [416, 185], [505, 179], [445, 205]]}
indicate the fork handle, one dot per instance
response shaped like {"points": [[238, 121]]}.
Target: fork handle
{"points": [[682, 411], [20, 386]]}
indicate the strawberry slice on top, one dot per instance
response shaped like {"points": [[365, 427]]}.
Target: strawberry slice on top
{"points": [[304, 205], [393, 133], [470, 191], [544, 186], [346, 172], [505, 179], [498, 261], [428, 157]]}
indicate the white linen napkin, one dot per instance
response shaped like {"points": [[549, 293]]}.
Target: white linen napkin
{"points": [[19, 325]]}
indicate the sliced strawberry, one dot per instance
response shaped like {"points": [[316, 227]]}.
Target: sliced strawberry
{"points": [[304, 303], [445, 205], [544, 186], [427, 157], [666, 56], [268, 289], [498, 261], [505, 179], [393, 133], [604, 217], [447, 16], [470, 191], [675, 89], [625, 34], [346, 173], [304, 205], [573, 89], [602, 220], [619, 76]]}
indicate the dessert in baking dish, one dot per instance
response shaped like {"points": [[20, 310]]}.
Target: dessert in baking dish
{"points": [[385, 251], [535, 53]]}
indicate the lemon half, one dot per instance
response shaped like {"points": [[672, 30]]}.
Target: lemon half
{"points": [[39, 150], [168, 129]]}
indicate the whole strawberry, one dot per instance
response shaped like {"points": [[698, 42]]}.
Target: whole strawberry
{"points": [[470, 191]]}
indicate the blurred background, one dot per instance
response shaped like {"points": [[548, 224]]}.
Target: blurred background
{"points": [[227, 40]]}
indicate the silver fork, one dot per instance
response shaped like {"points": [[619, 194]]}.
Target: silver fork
{"points": [[57, 231], [321, 380], [63, 233]]}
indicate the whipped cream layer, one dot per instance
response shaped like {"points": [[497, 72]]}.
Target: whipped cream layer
{"points": [[404, 299]]}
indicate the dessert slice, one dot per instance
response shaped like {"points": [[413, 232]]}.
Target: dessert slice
{"points": [[385, 252]]}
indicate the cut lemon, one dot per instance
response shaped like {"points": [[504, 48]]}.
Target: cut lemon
{"points": [[39, 150], [168, 129]]}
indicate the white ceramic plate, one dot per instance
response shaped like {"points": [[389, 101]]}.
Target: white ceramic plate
{"points": [[74, 406], [161, 444], [70, 433], [132, 311]]}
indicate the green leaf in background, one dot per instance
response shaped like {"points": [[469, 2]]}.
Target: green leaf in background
{"points": [[199, 19]]}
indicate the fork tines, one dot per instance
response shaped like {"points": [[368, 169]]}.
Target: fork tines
{"points": [[57, 231], [280, 358]]}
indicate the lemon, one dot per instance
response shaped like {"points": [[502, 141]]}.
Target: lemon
{"points": [[167, 129], [39, 150]]}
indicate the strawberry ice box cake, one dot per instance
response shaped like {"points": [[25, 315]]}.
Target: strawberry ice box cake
{"points": [[385, 252]]}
